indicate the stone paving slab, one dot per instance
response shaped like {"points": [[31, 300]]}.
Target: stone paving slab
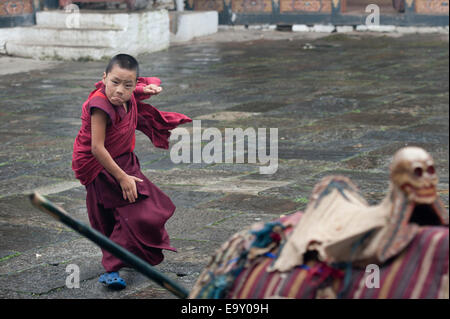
{"points": [[53, 254], [198, 217], [242, 202], [19, 238], [242, 186], [47, 277]]}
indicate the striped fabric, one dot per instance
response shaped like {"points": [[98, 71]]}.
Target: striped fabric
{"points": [[420, 271]]}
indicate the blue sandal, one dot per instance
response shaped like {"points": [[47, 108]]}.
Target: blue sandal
{"points": [[112, 280]]}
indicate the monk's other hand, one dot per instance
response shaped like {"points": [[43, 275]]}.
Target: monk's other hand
{"points": [[152, 89], [129, 189]]}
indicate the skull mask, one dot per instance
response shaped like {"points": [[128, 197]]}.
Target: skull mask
{"points": [[413, 172], [414, 201]]}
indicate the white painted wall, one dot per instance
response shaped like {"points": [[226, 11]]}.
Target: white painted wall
{"points": [[99, 35], [191, 24]]}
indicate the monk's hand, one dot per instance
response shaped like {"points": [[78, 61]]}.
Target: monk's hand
{"points": [[152, 89], [129, 189]]}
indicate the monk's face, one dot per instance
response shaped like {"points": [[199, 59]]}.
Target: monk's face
{"points": [[119, 85]]}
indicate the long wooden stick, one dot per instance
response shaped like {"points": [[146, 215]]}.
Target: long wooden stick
{"points": [[104, 242]]}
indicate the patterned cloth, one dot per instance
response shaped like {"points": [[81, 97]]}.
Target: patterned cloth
{"points": [[420, 271]]}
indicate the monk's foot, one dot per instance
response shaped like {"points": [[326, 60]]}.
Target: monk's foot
{"points": [[112, 280]]}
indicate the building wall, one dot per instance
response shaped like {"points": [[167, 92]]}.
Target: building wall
{"points": [[432, 6], [16, 12], [15, 7], [323, 6], [309, 6]]}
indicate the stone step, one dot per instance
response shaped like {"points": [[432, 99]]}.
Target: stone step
{"points": [[61, 19], [74, 37], [99, 36], [58, 52]]}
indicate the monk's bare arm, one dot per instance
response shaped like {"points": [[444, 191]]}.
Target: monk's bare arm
{"points": [[98, 131]]}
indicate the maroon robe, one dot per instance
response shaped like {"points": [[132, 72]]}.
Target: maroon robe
{"points": [[140, 226]]}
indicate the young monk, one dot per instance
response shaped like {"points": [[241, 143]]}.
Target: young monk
{"points": [[122, 203]]}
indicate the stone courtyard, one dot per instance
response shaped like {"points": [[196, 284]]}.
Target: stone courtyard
{"points": [[342, 104]]}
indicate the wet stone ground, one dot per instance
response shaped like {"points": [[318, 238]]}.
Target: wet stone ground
{"points": [[342, 104]]}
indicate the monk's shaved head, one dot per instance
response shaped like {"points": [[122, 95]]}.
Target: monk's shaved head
{"points": [[123, 61]]}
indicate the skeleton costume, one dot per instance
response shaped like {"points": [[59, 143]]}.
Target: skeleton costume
{"points": [[324, 252], [342, 227]]}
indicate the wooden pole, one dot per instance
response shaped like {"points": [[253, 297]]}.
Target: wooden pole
{"points": [[104, 242]]}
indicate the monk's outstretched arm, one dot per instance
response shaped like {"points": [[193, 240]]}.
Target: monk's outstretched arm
{"points": [[146, 87], [98, 131]]}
